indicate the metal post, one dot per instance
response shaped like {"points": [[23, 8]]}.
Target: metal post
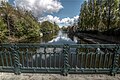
{"points": [[66, 62], [15, 55], [115, 62]]}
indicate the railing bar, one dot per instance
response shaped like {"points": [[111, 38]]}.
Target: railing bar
{"points": [[59, 60], [81, 60], [10, 59], [46, 60], [50, 60], [54, 57], [100, 60], [2, 58], [18, 56], [6, 58], [77, 55], [86, 57], [105, 60], [109, 60], [22, 58], [95, 61], [91, 60], [108, 56], [119, 62], [71, 60], [27, 57], [36, 60], [76, 59], [45, 57], [31, 56], [40, 60]]}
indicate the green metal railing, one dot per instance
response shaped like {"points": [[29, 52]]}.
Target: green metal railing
{"points": [[62, 59]]}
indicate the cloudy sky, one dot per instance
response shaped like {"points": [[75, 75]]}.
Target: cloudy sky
{"points": [[63, 12]]}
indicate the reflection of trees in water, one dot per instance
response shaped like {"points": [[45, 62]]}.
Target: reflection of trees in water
{"points": [[48, 37], [43, 39], [71, 37], [75, 38]]}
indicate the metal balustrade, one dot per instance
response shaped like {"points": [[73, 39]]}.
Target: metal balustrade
{"points": [[62, 59]]}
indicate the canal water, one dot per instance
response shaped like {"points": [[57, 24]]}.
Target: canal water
{"points": [[60, 38]]}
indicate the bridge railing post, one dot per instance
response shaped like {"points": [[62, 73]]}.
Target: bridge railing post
{"points": [[115, 61], [15, 54], [65, 70]]}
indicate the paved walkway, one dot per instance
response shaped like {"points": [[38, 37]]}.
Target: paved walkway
{"points": [[25, 76], [103, 39]]}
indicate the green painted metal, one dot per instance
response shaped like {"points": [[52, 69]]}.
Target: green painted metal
{"points": [[15, 54], [66, 59], [115, 61], [66, 63]]}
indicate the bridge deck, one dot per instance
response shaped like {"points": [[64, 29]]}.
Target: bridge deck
{"points": [[9, 76]]}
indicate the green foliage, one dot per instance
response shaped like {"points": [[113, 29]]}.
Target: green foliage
{"points": [[18, 23], [15, 22], [100, 15], [64, 28], [3, 30], [48, 27], [56, 27]]}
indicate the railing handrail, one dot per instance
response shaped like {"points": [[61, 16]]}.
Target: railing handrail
{"points": [[59, 45]]}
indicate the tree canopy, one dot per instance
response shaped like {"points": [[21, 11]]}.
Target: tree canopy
{"points": [[21, 24], [101, 15]]}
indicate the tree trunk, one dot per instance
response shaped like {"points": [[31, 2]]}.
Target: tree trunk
{"points": [[109, 5]]}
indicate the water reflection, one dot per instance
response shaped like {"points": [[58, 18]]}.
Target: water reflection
{"points": [[63, 38], [59, 37], [47, 37]]}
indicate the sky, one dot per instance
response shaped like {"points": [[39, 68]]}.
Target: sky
{"points": [[63, 12]]}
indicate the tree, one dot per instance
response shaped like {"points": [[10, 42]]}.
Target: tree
{"points": [[56, 27], [48, 27], [100, 15], [7, 12], [3, 30], [19, 23]]}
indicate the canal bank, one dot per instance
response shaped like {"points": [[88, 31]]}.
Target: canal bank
{"points": [[101, 39]]}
